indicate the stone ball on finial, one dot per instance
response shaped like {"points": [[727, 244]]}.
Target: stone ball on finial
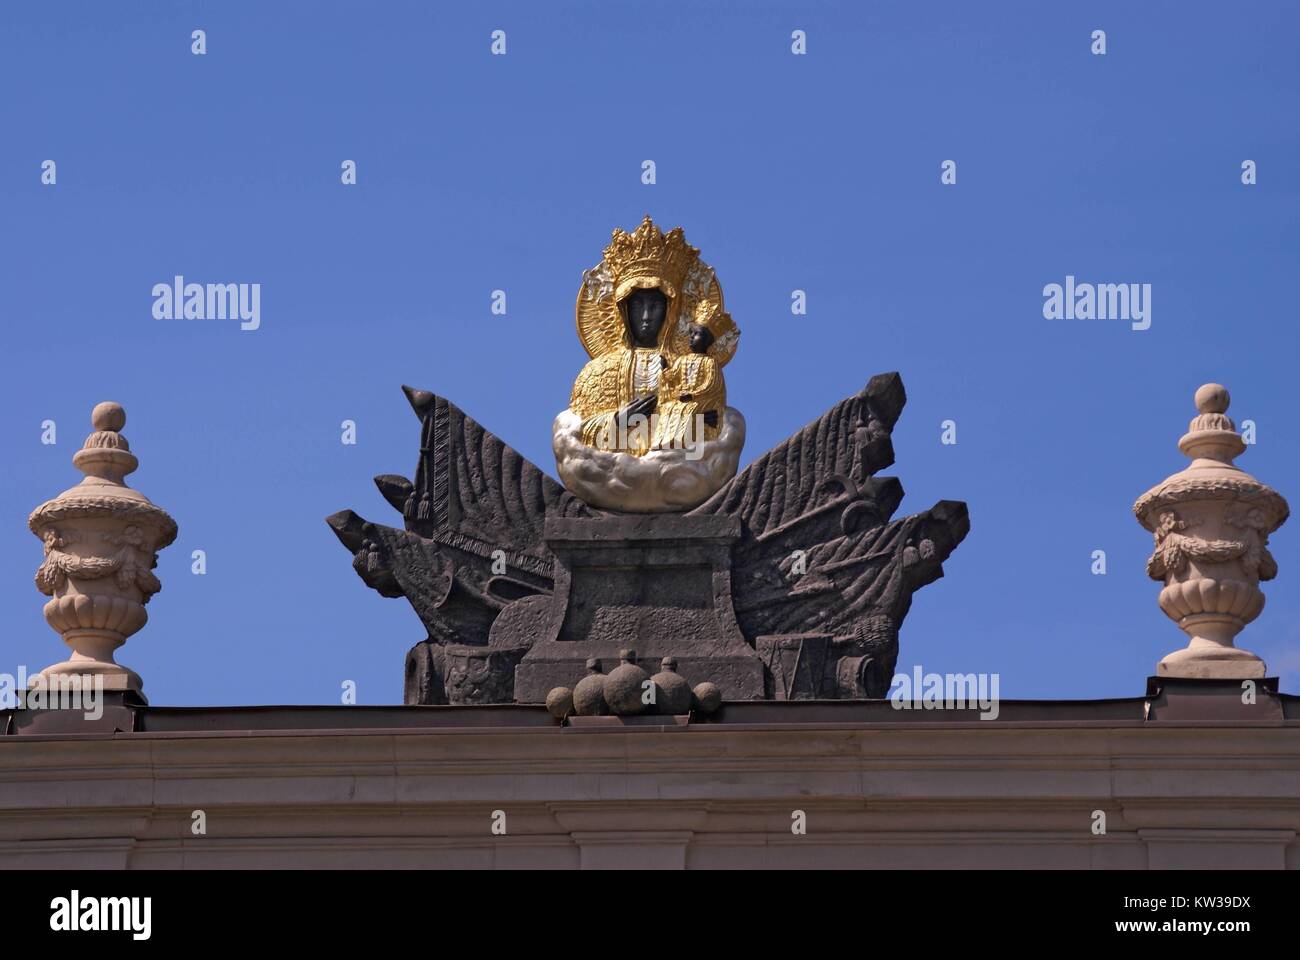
{"points": [[559, 702], [108, 416], [1212, 398]]}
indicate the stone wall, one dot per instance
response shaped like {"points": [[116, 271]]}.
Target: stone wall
{"points": [[1175, 793]]}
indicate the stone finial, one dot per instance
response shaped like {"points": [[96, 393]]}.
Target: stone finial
{"points": [[589, 693], [625, 685], [672, 692], [706, 697], [101, 544], [1211, 523], [559, 702]]}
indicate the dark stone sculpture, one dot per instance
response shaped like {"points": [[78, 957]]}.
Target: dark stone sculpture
{"points": [[791, 582], [820, 558]]}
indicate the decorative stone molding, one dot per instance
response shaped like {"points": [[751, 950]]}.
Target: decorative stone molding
{"points": [[1211, 524], [878, 793], [101, 544]]}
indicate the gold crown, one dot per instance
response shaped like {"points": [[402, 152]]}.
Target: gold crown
{"points": [[649, 257], [718, 321]]}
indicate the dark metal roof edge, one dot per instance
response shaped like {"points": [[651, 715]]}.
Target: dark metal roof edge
{"points": [[1182, 703]]}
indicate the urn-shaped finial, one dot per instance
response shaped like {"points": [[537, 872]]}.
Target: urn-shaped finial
{"points": [[1211, 523], [101, 544]]}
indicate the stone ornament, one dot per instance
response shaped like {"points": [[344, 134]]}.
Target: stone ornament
{"points": [[672, 692], [559, 702], [1211, 523], [497, 558], [625, 685], [621, 692], [706, 697], [789, 581], [101, 546], [589, 694]]}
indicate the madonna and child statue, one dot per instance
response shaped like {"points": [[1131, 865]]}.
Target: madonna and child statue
{"points": [[654, 554], [648, 427]]}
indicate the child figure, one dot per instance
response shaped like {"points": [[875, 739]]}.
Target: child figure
{"points": [[692, 394]]}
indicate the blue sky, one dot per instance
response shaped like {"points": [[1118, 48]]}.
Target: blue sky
{"points": [[479, 172]]}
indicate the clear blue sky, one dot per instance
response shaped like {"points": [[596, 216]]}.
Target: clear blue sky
{"points": [[478, 172]]}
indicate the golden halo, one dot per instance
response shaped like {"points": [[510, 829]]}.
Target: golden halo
{"points": [[600, 325], [600, 322]]}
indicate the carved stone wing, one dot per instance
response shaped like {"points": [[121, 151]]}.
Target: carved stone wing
{"points": [[851, 440], [469, 482]]}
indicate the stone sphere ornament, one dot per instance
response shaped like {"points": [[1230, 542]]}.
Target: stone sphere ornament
{"points": [[108, 416], [672, 692], [589, 694], [708, 698], [1212, 398], [559, 702], [625, 686]]}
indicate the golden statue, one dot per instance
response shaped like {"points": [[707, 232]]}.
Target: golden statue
{"points": [[634, 313], [648, 427]]}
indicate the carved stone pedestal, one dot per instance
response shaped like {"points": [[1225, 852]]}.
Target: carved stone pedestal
{"points": [[518, 582], [659, 585]]}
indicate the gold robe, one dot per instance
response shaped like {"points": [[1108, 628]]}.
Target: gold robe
{"points": [[698, 375], [605, 386]]}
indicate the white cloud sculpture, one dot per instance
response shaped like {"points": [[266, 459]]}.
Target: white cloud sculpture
{"points": [[659, 481]]}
